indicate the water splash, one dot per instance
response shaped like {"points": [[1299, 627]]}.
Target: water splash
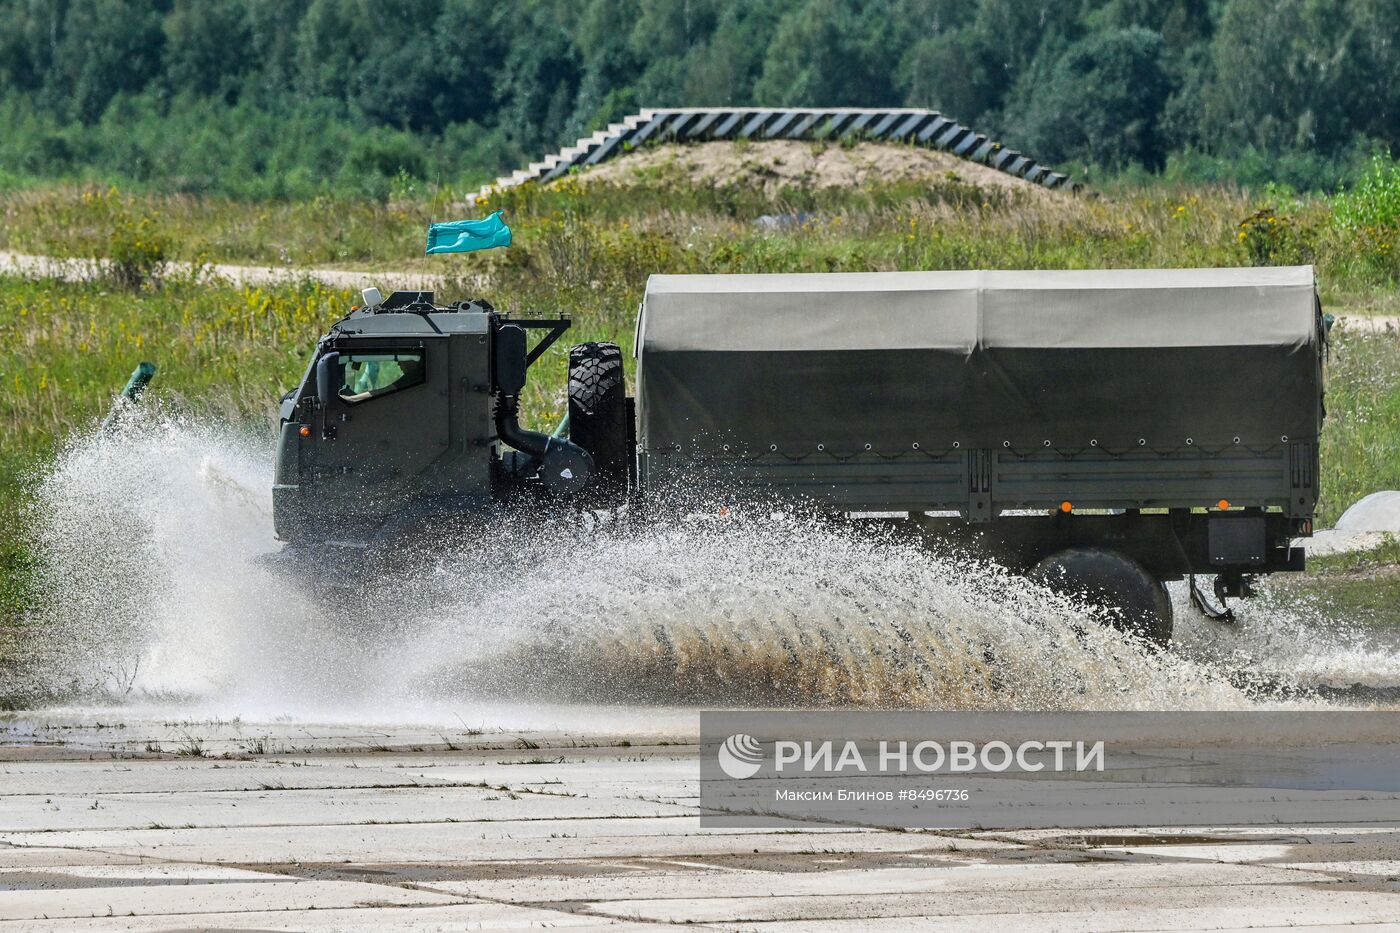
{"points": [[154, 586]]}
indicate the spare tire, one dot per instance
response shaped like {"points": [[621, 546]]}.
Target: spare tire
{"points": [[1116, 587], [598, 419]]}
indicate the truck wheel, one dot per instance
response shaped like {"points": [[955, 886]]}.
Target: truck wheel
{"points": [[1126, 595], [598, 419]]}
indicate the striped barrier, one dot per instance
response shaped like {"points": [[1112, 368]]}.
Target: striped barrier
{"points": [[927, 128]]}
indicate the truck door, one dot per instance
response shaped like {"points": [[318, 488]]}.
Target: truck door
{"points": [[384, 426]]}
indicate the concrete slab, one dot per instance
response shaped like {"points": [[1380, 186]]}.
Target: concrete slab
{"points": [[934, 874], [456, 917], [672, 775], [451, 844], [1301, 851], [1330, 911], [1358, 869], [211, 897], [1368, 927], [1080, 907], [87, 777], [135, 874], [387, 837], [348, 806], [39, 856]]}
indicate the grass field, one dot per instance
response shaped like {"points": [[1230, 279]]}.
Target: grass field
{"points": [[1362, 586], [586, 250]]}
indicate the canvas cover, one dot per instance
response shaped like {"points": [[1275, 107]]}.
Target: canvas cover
{"points": [[981, 359]]}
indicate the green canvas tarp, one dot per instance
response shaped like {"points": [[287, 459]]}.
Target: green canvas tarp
{"points": [[881, 362]]}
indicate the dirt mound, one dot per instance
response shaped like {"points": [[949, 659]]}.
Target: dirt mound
{"points": [[778, 164]]}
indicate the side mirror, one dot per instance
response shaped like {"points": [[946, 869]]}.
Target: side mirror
{"points": [[510, 363], [327, 368]]}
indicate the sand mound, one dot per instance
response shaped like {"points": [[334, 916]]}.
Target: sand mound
{"points": [[778, 164]]}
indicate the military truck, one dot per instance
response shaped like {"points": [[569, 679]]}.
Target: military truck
{"points": [[1105, 431]]}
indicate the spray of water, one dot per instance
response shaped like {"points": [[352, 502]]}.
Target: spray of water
{"points": [[153, 541]]}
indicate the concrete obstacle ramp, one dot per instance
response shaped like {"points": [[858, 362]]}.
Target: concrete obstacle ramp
{"points": [[1364, 526], [910, 126], [1378, 512]]}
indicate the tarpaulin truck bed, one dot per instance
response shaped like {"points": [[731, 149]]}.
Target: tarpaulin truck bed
{"points": [[982, 392]]}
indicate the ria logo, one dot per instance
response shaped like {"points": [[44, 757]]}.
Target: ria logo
{"points": [[740, 756]]}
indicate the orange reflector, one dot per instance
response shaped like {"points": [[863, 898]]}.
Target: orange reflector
{"points": [[724, 511], [1223, 504], [1066, 506], [305, 430]]}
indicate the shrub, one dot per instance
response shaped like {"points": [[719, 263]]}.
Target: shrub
{"points": [[1375, 200], [136, 253], [1273, 239]]}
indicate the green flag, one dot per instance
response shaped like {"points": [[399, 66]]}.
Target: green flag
{"points": [[467, 236]]}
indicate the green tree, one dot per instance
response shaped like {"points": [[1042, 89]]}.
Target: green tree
{"points": [[273, 29], [1373, 90], [952, 72], [107, 47], [723, 70], [668, 29], [609, 66], [1100, 104], [1180, 23], [333, 37], [206, 46], [1282, 72], [537, 82], [831, 53], [1014, 31], [663, 39]]}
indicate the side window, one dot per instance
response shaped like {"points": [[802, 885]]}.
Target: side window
{"points": [[364, 376]]}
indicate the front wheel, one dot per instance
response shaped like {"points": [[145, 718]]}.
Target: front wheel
{"points": [[1115, 586]]}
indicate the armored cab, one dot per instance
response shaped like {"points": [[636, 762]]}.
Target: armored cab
{"points": [[409, 414]]}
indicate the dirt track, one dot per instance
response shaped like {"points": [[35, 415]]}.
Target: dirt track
{"points": [[80, 270], [145, 825]]}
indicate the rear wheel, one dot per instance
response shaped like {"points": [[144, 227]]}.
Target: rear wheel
{"points": [[1124, 594], [598, 419]]}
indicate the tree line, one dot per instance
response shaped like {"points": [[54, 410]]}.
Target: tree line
{"points": [[269, 97]]}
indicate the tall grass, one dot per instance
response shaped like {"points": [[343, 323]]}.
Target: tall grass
{"points": [[573, 234], [66, 348], [1361, 437]]}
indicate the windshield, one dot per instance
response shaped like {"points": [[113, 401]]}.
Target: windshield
{"points": [[365, 376]]}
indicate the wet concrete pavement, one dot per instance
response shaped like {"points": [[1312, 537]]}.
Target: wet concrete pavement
{"points": [[230, 825]]}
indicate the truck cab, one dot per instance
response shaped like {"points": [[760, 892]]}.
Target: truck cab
{"points": [[409, 412]]}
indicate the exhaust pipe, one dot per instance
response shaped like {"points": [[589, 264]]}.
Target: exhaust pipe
{"points": [[526, 441], [563, 466]]}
